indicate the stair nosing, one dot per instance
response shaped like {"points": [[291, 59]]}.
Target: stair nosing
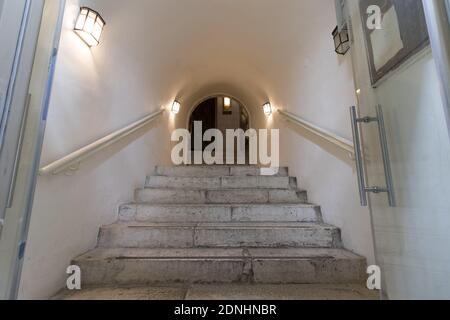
{"points": [[244, 253], [220, 189], [222, 224], [222, 205]]}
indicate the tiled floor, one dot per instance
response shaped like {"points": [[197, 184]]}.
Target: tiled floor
{"points": [[225, 292]]}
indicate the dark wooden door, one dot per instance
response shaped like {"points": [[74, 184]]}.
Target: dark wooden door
{"points": [[205, 113]]}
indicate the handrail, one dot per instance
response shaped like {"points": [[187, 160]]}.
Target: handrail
{"points": [[82, 154], [341, 143]]}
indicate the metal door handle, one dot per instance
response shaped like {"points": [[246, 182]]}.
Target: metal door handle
{"points": [[358, 157], [363, 189]]}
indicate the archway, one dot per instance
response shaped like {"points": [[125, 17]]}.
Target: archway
{"points": [[220, 112], [219, 96]]}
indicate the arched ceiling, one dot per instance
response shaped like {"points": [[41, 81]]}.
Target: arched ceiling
{"points": [[250, 49]]}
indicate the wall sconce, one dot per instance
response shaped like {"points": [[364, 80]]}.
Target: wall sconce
{"points": [[267, 109], [176, 107], [341, 41], [89, 26]]}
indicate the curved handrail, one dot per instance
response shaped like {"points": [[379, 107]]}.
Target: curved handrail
{"points": [[82, 154], [341, 143]]}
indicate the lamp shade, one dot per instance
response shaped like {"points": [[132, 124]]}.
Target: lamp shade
{"points": [[341, 41], [227, 106], [267, 109], [89, 26], [227, 103]]}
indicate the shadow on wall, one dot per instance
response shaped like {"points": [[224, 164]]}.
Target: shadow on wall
{"points": [[320, 142], [105, 155]]}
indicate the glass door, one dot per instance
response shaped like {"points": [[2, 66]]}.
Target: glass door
{"points": [[13, 20], [400, 126]]}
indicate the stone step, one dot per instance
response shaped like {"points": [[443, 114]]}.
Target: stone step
{"points": [[264, 266], [220, 213], [213, 171], [189, 196], [215, 235], [233, 182]]}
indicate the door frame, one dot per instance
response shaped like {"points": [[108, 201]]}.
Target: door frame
{"points": [[19, 46], [191, 123], [46, 33]]}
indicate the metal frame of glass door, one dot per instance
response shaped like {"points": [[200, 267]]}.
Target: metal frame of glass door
{"points": [[437, 14], [22, 211]]}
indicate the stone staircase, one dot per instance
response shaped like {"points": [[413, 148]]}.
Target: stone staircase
{"points": [[219, 224]]}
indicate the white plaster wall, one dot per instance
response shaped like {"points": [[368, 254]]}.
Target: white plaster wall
{"points": [[320, 89], [93, 96], [155, 51]]}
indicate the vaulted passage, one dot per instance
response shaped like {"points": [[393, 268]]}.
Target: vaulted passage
{"points": [[219, 113], [217, 149]]}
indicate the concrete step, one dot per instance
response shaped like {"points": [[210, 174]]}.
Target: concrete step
{"points": [[215, 235], [234, 182], [265, 266], [189, 196], [220, 213], [213, 171]]}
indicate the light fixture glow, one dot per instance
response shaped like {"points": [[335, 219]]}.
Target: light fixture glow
{"points": [[267, 109], [89, 26], [176, 107], [227, 105], [227, 102]]}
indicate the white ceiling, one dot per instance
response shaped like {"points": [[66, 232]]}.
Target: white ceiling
{"points": [[254, 50]]}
